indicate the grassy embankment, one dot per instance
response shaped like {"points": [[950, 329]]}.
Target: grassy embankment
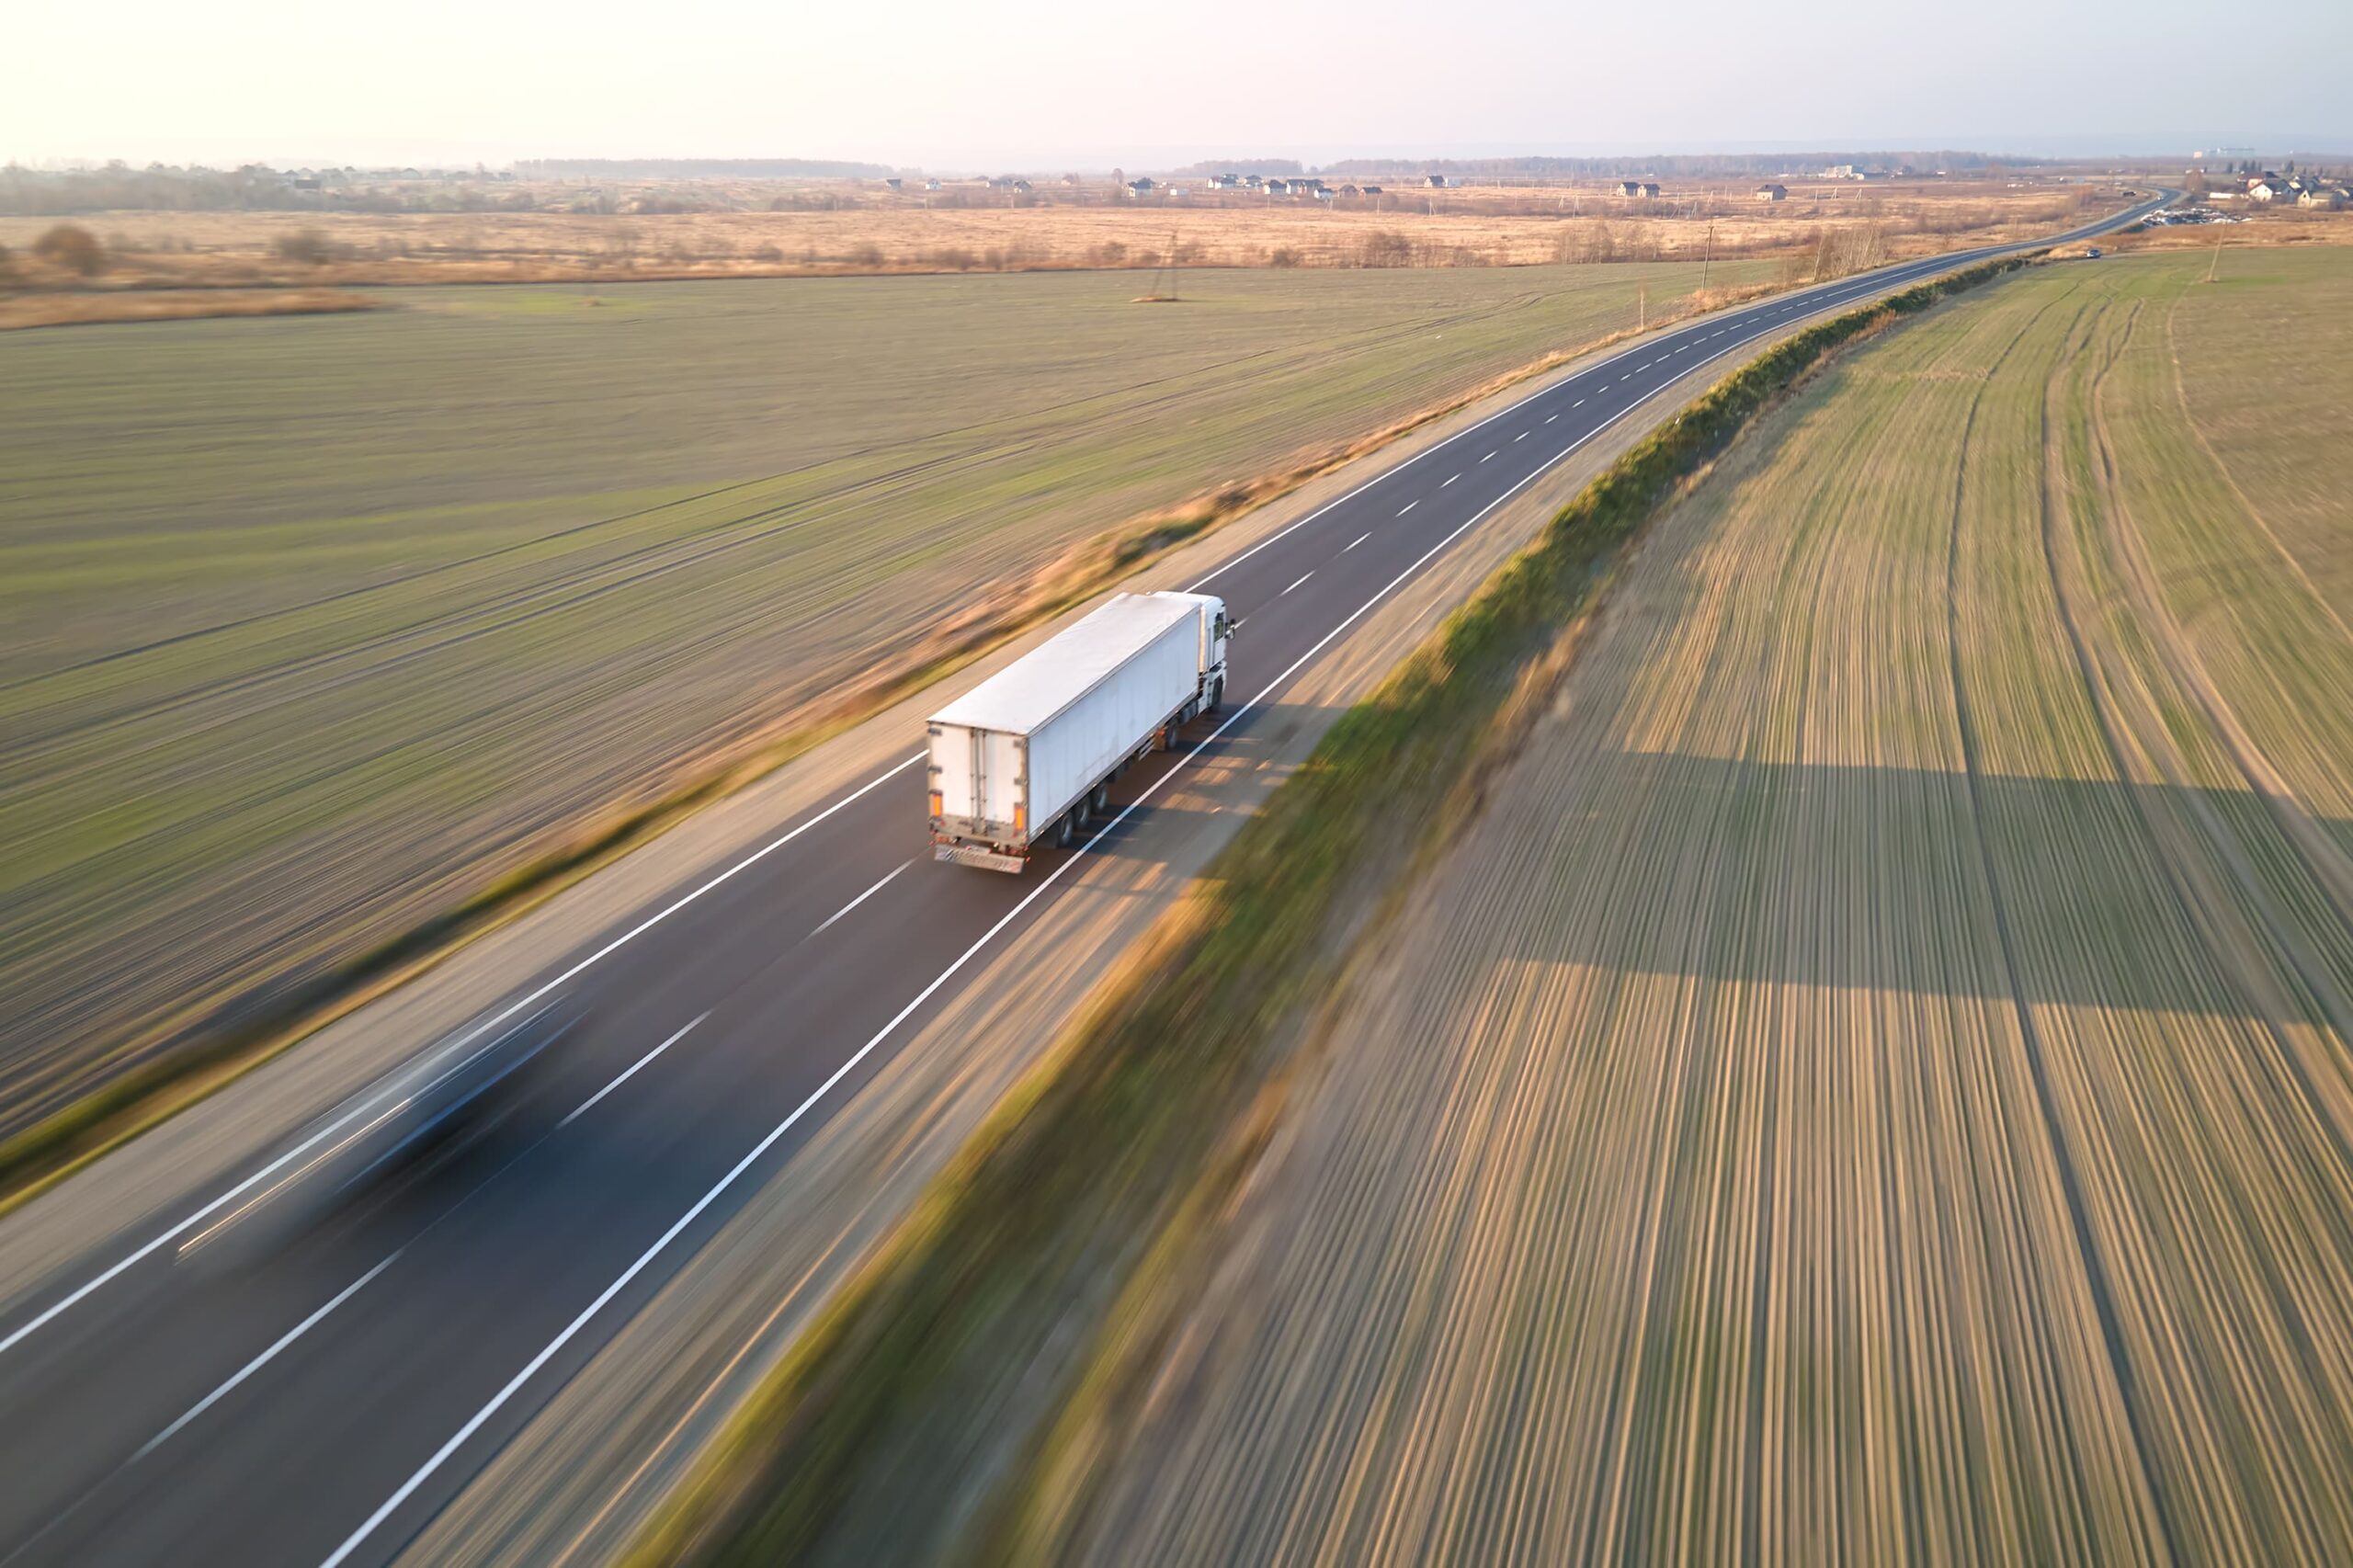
{"points": [[1876, 1084], [966, 1327], [366, 629]]}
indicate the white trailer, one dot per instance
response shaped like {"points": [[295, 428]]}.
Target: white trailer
{"points": [[1027, 756]]}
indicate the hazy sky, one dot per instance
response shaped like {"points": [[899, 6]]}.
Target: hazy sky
{"points": [[1034, 82]]}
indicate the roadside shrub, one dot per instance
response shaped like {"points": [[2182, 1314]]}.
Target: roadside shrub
{"points": [[1283, 257], [7, 267], [768, 254], [865, 255], [306, 248], [73, 248]]}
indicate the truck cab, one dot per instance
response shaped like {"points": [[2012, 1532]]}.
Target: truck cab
{"points": [[1217, 632]]}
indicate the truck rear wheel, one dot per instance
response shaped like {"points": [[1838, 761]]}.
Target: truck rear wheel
{"points": [[1217, 694]]}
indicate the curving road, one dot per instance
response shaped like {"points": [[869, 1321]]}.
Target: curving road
{"points": [[320, 1406]]}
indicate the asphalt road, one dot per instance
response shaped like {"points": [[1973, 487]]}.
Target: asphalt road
{"points": [[318, 1405]]}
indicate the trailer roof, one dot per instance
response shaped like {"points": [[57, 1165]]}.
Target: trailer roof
{"points": [[1042, 682]]}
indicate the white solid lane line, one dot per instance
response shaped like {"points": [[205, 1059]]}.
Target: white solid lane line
{"points": [[1355, 541], [554, 1347], [630, 1071], [861, 898], [1409, 506], [498, 1401], [165, 1238], [1295, 584]]}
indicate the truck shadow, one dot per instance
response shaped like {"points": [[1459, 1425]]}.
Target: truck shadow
{"points": [[1228, 778]]}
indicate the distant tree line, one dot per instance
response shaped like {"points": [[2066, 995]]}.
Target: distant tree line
{"points": [[1684, 166]]}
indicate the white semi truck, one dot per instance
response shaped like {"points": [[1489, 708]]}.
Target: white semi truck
{"points": [[1025, 758]]}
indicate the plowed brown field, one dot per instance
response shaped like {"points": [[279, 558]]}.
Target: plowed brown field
{"points": [[1874, 1085]]}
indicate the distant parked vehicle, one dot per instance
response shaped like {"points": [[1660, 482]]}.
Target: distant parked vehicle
{"points": [[1027, 756]]}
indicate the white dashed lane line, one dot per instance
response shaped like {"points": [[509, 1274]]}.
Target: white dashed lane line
{"points": [[1409, 506], [1350, 545], [1490, 454], [1295, 584], [1521, 437], [1450, 479]]}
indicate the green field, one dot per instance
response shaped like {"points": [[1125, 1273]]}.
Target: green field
{"points": [[1876, 1083], [312, 625]]}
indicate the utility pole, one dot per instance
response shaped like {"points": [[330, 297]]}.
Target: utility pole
{"points": [[1708, 256], [1643, 309]]}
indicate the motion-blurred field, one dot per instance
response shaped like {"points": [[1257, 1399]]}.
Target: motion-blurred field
{"points": [[1874, 1086], [316, 625]]}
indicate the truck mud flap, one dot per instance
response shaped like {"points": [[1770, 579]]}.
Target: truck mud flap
{"points": [[980, 854]]}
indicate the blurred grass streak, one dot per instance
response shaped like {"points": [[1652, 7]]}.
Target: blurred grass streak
{"points": [[954, 1347], [326, 633]]}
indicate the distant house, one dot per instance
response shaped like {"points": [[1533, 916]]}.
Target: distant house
{"points": [[1143, 187], [1372, 190], [1277, 188], [1638, 190], [1174, 193], [1440, 182], [931, 184], [2265, 190], [1349, 190], [1022, 186], [1225, 182], [1256, 182], [895, 183], [1772, 193], [1324, 193], [2326, 197]]}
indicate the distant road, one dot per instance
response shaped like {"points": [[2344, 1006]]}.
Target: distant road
{"points": [[321, 1411]]}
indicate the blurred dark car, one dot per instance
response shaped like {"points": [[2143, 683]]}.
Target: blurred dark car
{"points": [[481, 1079]]}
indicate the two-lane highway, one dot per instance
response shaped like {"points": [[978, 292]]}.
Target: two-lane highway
{"points": [[320, 1406]]}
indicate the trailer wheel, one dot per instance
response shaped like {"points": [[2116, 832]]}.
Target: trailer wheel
{"points": [[1217, 694], [1102, 800], [1065, 829]]}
